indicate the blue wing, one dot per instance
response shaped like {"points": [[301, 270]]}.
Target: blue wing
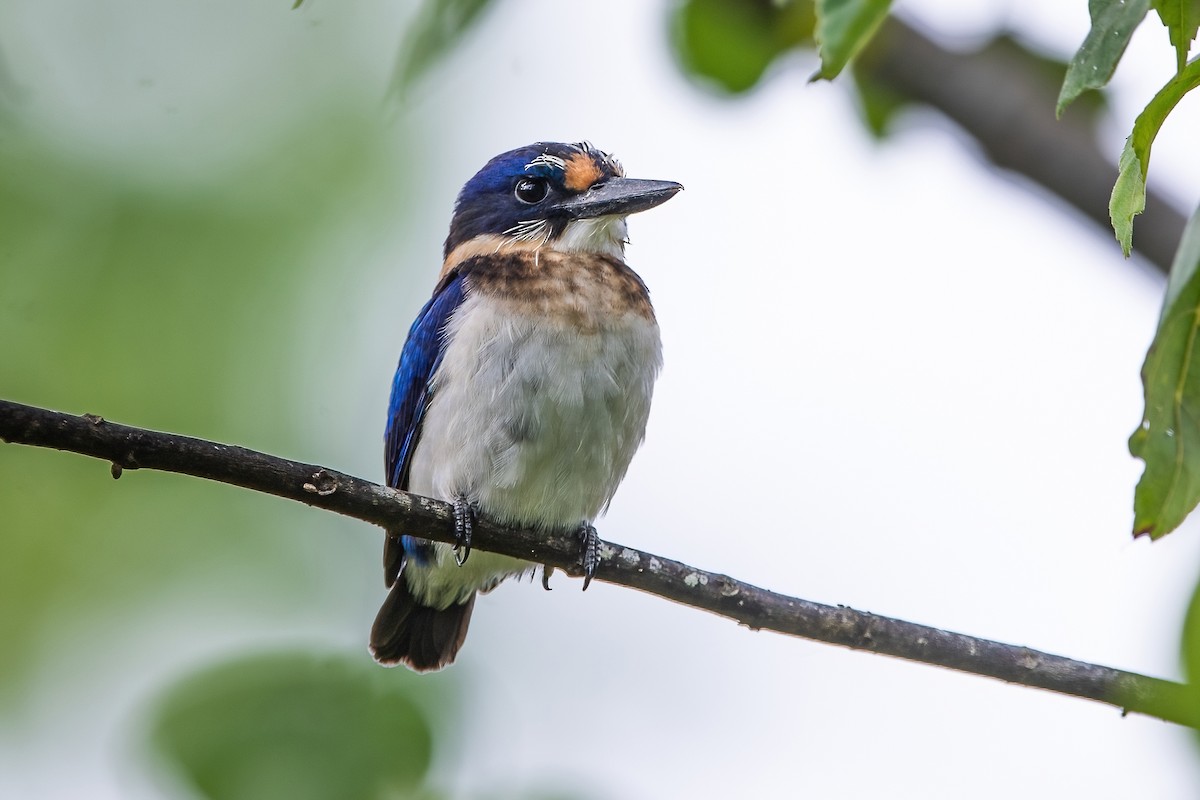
{"points": [[419, 360], [422, 353]]}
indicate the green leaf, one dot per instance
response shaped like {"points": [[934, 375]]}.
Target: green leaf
{"points": [[296, 726], [843, 27], [732, 42], [1113, 23], [1182, 18], [1168, 439], [1129, 193]]}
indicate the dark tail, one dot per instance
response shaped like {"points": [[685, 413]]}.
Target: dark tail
{"points": [[423, 638]]}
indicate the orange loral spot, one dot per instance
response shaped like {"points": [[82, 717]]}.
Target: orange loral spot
{"points": [[581, 172]]}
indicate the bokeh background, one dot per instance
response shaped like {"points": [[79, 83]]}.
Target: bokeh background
{"points": [[896, 379]]}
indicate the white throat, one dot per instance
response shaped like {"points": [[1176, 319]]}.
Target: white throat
{"points": [[601, 235]]}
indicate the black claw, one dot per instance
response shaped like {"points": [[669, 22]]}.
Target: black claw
{"points": [[547, 570], [464, 526], [589, 552]]}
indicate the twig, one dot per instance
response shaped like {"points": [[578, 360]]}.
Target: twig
{"points": [[130, 448]]}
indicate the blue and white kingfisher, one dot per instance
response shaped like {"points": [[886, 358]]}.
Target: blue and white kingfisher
{"points": [[524, 386]]}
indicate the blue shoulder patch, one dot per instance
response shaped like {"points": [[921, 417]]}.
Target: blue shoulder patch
{"points": [[420, 358]]}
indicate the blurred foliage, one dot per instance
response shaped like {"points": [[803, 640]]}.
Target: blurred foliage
{"points": [[438, 26], [732, 42], [142, 294], [296, 726], [878, 104], [149, 301]]}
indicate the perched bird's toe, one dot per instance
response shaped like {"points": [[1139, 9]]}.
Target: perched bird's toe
{"points": [[589, 552], [464, 528]]}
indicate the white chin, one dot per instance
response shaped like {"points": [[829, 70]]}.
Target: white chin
{"points": [[605, 235]]}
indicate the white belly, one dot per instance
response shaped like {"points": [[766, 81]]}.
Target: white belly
{"points": [[533, 422]]}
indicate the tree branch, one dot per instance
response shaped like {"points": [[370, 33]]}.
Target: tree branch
{"points": [[999, 96], [130, 448]]}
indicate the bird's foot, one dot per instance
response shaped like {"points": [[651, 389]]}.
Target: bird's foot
{"points": [[589, 552], [547, 571], [464, 526]]}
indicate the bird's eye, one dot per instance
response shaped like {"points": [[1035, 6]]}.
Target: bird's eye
{"points": [[531, 190]]}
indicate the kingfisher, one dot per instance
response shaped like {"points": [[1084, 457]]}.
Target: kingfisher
{"points": [[524, 386]]}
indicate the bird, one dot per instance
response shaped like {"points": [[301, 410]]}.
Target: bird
{"points": [[524, 385]]}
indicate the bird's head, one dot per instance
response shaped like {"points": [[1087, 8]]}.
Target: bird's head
{"points": [[565, 196]]}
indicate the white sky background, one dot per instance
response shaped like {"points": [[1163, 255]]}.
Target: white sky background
{"points": [[895, 380]]}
